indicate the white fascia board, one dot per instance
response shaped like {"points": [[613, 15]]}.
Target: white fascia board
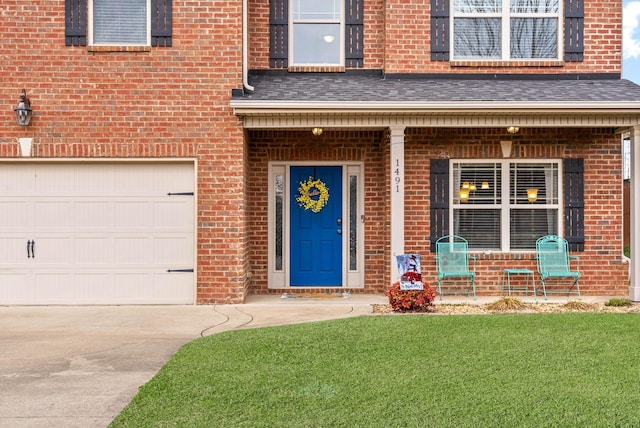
{"points": [[248, 107]]}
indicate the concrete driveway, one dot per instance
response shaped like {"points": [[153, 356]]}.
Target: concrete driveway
{"points": [[79, 366]]}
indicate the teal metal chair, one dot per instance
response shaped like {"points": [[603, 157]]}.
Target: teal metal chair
{"points": [[453, 261], [554, 262]]}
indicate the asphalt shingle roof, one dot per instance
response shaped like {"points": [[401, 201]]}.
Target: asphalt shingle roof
{"points": [[345, 87]]}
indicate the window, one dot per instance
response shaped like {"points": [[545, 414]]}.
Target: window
{"points": [[119, 22], [506, 29], [505, 205], [317, 32]]}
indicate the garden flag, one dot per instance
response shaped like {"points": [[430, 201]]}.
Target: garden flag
{"points": [[409, 271]]}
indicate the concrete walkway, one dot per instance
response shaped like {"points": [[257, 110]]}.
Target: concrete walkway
{"points": [[79, 366]]}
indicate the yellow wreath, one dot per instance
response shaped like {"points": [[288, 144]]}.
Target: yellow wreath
{"points": [[306, 192]]}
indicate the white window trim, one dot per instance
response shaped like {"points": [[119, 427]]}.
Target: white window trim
{"points": [[505, 205], [293, 21], [505, 17], [90, 28], [351, 278]]}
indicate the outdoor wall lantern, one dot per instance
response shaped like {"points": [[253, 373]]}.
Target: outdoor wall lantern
{"points": [[23, 110]]}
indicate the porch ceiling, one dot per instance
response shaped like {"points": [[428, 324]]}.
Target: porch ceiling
{"points": [[301, 100]]}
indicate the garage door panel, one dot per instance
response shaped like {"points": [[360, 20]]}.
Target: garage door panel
{"points": [[92, 215], [53, 287], [172, 287], [93, 251], [135, 250], [180, 181], [51, 179], [173, 252], [13, 252], [94, 287], [167, 213], [133, 215], [94, 180], [13, 289], [53, 214], [53, 252], [17, 180], [135, 181], [134, 286], [12, 214]]}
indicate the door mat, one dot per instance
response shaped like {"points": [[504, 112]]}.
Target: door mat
{"points": [[315, 295]]}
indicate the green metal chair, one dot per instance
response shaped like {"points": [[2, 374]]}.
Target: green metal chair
{"points": [[452, 261], [554, 262]]}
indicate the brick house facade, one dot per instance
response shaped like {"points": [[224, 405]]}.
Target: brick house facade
{"points": [[221, 101]]}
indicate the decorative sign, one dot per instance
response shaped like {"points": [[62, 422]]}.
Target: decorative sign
{"points": [[314, 195], [409, 271]]}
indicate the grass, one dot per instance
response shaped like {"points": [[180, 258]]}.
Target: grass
{"points": [[577, 369]]}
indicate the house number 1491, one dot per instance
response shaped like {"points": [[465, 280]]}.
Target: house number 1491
{"points": [[396, 173]]}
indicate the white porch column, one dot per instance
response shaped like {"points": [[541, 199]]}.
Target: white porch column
{"points": [[396, 178], [634, 285]]}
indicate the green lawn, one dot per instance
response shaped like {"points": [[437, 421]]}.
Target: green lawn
{"points": [[530, 370]]}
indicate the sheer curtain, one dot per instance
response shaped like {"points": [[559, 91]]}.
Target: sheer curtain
{"points": [[532, 25]]}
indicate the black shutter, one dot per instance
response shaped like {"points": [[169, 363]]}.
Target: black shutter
{"points": [[161, 23], [574, 30], [574, 203], [440, 30], [354, 33], [75, 28], [279, 34], [439, 200]]}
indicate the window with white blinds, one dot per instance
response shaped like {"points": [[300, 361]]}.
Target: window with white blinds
{"points": [[504, 205], [119, 22], [506, 29]]}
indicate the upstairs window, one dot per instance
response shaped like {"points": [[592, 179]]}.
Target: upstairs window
{"points": [[119, 22], [317, 32], [506, 30]]}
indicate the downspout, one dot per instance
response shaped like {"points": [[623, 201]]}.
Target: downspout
{"points": [[245, 47]]}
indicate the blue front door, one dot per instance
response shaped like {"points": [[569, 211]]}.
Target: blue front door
{"points": [[316, 226]]}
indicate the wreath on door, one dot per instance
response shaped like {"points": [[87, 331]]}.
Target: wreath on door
{"points": [[309, 190]]}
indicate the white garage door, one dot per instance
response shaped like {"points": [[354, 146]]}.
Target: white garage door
{"points": [[97, 233]]}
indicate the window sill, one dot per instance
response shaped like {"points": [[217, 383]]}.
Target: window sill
{"points": [[507, 64], [317, 69], [119, 48]]}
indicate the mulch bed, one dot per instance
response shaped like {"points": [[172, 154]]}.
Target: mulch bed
{"points": [[527, 308]]}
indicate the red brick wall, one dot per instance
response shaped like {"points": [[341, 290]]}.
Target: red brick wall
{"points": [[601, 265], [164, 103], [397, 39]]}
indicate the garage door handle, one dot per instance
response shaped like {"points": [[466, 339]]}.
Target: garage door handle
{"points": [[180, 194], [31, 251]]}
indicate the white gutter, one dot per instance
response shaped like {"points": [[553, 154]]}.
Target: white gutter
{"points": [[245, 47]]}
